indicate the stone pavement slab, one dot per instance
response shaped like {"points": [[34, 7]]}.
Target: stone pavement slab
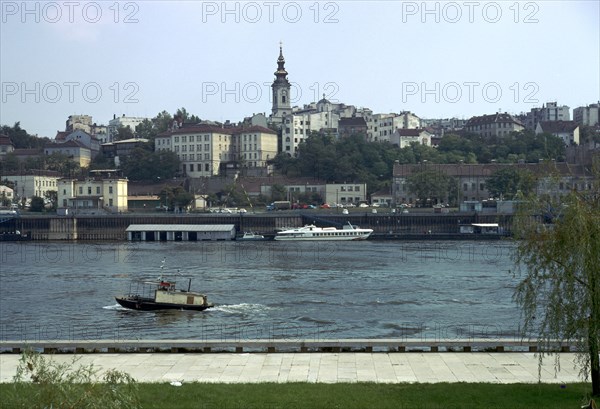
{"points": [[380, 367]]}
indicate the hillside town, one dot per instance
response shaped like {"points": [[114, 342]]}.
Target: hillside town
{"points": [[205, 164]]}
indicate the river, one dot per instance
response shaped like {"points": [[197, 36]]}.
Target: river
{"points": [[302, 290]]}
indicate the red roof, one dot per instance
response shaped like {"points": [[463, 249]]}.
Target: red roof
{"points": [[410, 132], [199, 129], [254, 128], [352, 121], [558, 126], [68, 144], [5, 140], [490, 119], [216, 129], [61, 135], [487, 169]]}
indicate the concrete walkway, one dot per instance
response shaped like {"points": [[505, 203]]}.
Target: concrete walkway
{"points": [[381, 367]]}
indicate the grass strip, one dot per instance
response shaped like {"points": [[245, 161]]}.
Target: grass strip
{"points": [[347, 396]]}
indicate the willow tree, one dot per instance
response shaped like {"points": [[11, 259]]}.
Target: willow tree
{"points": [[558, 257]]}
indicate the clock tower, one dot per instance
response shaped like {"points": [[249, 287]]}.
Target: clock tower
{"points": [[281, 91]]}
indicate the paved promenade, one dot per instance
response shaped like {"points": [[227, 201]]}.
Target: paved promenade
{"points": [[381, 367]]}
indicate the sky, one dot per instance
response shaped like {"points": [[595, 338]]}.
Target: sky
{"points": [[217, 59]]}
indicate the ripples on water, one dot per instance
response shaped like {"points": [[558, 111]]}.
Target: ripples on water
{"points": [[297, 290]]}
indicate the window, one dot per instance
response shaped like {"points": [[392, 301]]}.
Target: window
{"points": [[89, 190], [110, 190], [357, 188], [80, 190], [206, 168]]}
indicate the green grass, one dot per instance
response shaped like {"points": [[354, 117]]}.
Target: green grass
{"points": [[360, 395]]}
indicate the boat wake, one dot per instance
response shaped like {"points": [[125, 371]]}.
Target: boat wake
{"points": [[115, 307], [241, 308]]}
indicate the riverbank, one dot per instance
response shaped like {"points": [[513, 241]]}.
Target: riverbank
{"points": [[412, 226]]}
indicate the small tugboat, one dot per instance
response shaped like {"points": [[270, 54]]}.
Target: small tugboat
{"points": [[162, 294]]}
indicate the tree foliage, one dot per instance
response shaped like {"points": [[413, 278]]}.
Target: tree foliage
{"points": [[144, 164], [21, 139], [431, 186], [510, 182], [123, 133], [37, 204], [62, 163], [559, 266], [176, 197], [354, 159], [278, 192], [149, 128]]}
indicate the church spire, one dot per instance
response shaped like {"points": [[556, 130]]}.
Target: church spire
{"points": [[281, 73]]}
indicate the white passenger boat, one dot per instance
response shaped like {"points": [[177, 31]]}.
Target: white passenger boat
{"points": [[312, 232], [251, 236]]}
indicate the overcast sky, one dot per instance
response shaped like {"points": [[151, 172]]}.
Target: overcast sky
{"points": [[436, 59]]}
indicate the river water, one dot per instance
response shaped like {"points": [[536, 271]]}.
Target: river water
{"points": [[261, 290]]}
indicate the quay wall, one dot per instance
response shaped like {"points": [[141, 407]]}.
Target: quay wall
{"points": [[385, 225]]}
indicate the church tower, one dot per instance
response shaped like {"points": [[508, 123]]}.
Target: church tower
{"points": [[281, 91]]}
